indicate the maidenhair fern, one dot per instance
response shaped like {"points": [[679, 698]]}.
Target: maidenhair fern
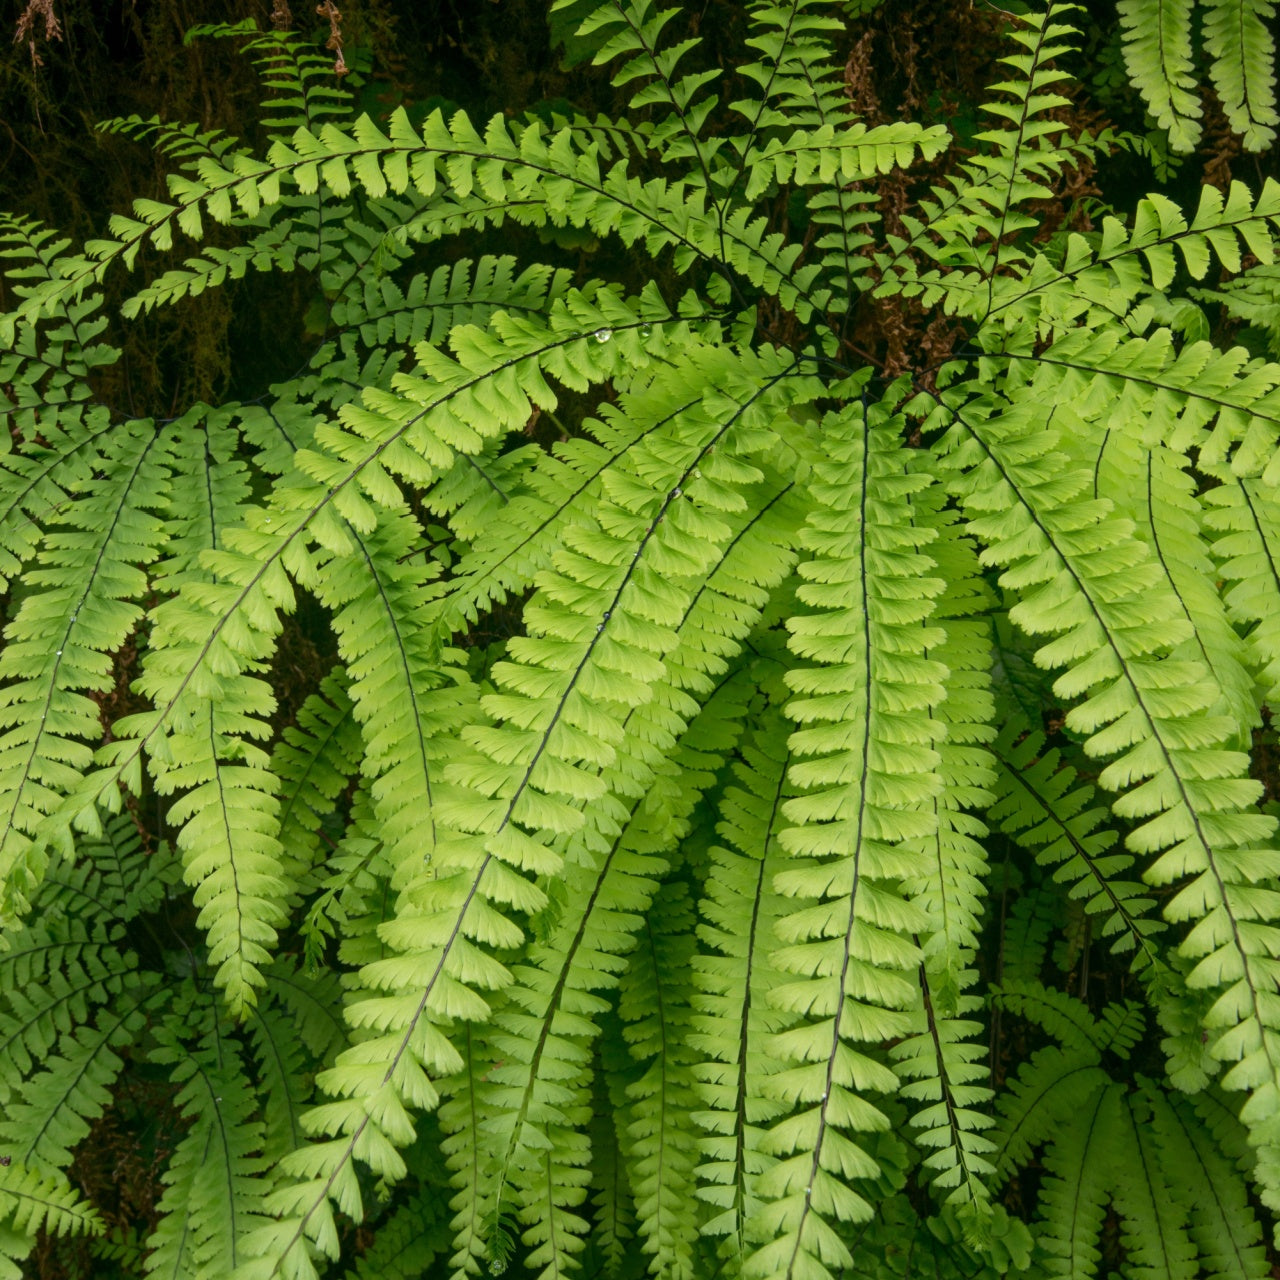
{"points": [[753, 811], [1238, 41]]}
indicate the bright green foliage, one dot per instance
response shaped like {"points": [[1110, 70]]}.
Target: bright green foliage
{"points": [[1238, 38], [738, 832]]}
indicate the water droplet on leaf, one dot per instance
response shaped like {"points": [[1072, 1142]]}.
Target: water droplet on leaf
{"points": [[603, 335], [646, 330], [675, 493]]}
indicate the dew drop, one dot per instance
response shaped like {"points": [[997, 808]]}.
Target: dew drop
{"points": [[599, 626], [59, 653], [606, 615], [697, 473], [808, 1191], [646, 330], [603, 335], [497, 1266], [675, 493]]}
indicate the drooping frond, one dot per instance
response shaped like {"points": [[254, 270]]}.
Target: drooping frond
{"points": [[1157, 55], [215, 1182], [404, 689], [733, 1018], [1040, 805], [864, 768], [711, 596], [941, 1061], [1153, 711], [315, 759], [1240, 41], [30, 1200], [1245, 514], [57, 646], [659, 1138], [203, 744], [409, 1239], [71, 1088], [1210, 1184]]}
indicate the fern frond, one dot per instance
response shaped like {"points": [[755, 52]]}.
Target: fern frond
{"points": [[974, 227], [355, 895], [660, 1140], [32, 1022], [503, 783], [941, 1059], [1045, 1098], [298, 78], [73, 1086], [1210, 1187], [865, 770], [1174, 520], [479, 1236], [281, 1077], [1241, 45], [113, 882], [214, 1183], [228, 812], [610, 857], [1246, 516], [1152, 713], [1074, 1193], [315, 759], [632, 29], [46, 366], [1038, 804], [531, 177], [375, 311], [1147, 1197], [379, 600], [42, 480], [30, 1201], [733, 1019], [614, 1215], [314, 1001], [1157, 55], [57, 646], [409, 1239]]}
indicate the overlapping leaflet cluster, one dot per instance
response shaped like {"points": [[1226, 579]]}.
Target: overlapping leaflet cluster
{"points": [[649, 937]]}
